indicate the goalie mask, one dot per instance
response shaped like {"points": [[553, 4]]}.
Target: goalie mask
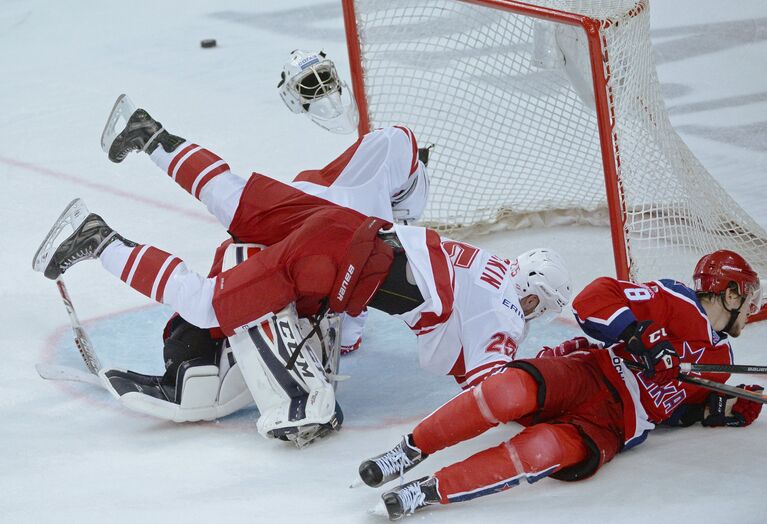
{"points": [[542, 272], [310, 84]]}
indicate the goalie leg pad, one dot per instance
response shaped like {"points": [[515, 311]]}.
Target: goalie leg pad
{"points": [[286, 398]]}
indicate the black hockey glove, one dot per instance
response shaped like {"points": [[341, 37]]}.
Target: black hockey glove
{"points": [[654, 351]]}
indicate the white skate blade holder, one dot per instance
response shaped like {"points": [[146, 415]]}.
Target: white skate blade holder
{"points": [[118, 119], [69, 220]]}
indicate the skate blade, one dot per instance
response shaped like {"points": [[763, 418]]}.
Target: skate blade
{"points": [[74, 215], [121, 112], [379, 510]]}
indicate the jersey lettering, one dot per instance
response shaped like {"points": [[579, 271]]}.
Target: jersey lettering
{"points": [[461, 255], [494, 272]]}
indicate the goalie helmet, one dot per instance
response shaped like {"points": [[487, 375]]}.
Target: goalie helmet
{"points": [[542, 272], [310, 84]]}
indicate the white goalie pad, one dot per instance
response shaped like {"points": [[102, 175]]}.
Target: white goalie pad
{"points": [[203, 392], [288, 399]]}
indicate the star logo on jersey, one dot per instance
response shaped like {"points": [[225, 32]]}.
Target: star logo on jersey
{"points": [[688, 355]]}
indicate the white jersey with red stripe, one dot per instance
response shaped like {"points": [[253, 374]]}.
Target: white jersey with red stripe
{"points": [[471, 321], [377, 172]]}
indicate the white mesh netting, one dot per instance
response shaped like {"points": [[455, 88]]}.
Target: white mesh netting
{"points": [[507, 100]]}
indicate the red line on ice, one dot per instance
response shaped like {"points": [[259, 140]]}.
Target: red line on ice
{"points": [[106, 188]]}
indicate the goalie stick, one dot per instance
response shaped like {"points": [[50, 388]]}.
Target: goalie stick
{"points": [[82, 341], [66, 373]]}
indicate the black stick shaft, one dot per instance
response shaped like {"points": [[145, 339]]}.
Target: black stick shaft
{"points": [[723, 368]]}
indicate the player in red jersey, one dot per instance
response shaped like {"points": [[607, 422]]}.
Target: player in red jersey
{"points": [[579, 402]]}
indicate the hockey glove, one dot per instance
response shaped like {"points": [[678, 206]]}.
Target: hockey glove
{"points": [[724, 410], [654, 351], [567, 347]]}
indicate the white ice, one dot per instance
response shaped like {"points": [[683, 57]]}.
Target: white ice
{"points": [[69, 453]]}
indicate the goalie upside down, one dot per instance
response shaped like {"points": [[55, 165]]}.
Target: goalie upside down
{"points": [[468, 308]]}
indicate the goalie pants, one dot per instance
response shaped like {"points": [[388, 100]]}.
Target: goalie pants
{"points": [[311, 243], [574, 425]]}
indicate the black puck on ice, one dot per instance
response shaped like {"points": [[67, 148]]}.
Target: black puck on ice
{"points": [[208, 42]]}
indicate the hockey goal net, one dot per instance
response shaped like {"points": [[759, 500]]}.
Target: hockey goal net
{"points": [[545, 112]]}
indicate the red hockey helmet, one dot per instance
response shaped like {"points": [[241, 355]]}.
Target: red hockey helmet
{"points": [[714, 272]]}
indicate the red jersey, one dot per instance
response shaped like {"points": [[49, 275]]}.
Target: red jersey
{"points": [[606, 307]]}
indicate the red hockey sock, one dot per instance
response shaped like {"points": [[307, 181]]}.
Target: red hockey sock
{"points": [[148, 269], [533, 454], [193, 167], [502, 397]]}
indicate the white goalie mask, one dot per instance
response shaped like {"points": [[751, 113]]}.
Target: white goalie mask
{"points": [[542, 272], [310, 84]]}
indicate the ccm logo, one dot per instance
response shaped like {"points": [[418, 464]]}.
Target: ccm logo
{"points": [[345, 283]]}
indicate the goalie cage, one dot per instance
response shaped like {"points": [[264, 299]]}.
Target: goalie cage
{"points": [[544, 113]]}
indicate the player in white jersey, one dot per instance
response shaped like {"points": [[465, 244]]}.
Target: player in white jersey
{"points": [[467, 307], [479, 303]]}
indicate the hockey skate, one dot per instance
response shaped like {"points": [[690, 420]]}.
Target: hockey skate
{"points": [[394, 463], [90, 236], [130, 129], [410, 497]]}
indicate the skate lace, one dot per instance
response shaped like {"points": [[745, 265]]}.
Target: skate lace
{"points": [[411, 498], [394, 462], [77, 256]]}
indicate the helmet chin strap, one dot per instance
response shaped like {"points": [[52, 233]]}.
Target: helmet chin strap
{"points": [[734, 313]]}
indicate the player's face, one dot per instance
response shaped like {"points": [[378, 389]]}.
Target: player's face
{"points": [[529, 303], [750, 306]]}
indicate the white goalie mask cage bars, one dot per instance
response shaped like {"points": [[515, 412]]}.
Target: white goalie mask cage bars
{"points": [[310, 84]]}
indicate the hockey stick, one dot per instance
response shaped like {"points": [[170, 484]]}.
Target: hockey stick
{"points": [[65, 373], [82, 341], [724, 388], [710, 384], [723, 368]]}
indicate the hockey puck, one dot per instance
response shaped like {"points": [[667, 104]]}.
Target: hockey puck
{"points": [[208, 42]]}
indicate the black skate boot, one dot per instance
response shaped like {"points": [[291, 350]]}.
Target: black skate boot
{"points": [[87, 241], [392, 464], [410, 497], [142, 133]]}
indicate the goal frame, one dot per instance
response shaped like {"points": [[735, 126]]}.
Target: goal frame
{"points": [[604, 108]]}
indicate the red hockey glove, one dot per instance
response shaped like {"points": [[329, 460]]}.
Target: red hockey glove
{"points": [[655, 352], [724, 410], [567, 347]]}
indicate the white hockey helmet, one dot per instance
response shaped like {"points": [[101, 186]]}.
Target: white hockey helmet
{"points": [[310, 84], [542, 272]]}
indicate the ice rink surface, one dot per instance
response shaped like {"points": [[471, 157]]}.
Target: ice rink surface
{"points": [[70, 453]]}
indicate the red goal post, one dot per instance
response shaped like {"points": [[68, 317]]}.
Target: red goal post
{"points": [[578, 77]]}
